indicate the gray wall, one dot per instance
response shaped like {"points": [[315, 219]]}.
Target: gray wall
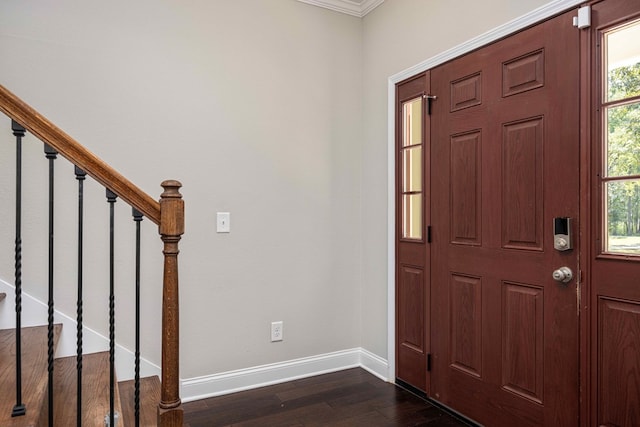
{"points": [[275, 111], [255, 106]]}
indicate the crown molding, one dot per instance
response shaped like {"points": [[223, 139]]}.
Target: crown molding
{"points": [[350, 7]]}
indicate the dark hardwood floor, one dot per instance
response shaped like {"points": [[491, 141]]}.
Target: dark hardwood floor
{"points": [[347, 398]]}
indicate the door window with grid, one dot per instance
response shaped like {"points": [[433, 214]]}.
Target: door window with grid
{"points": [[621, 135]]}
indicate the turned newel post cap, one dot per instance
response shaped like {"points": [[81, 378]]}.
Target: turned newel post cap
{"points": [[171, 209]]}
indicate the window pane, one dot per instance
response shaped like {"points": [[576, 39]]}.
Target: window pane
{"points": [[412, 169], [412, 122], [623, 62], [622, 222], [623, 140], [412, 216]]}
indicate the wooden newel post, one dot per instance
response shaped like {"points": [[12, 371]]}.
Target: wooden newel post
{"points": [[171, 228]]}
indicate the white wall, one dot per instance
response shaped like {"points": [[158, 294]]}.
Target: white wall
{"points": [[255, 106], [273, 110]]}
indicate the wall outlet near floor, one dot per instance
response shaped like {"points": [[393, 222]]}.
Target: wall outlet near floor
{"points": [[276, 331]]}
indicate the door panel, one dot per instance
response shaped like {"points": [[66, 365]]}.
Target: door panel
{"points": [[615, 269], [412, 251], [505, 150]]}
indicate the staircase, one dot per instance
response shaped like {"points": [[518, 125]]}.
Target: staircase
{"points": [[95, 394], [29, 376]]}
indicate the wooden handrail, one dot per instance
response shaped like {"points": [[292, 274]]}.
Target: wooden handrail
{"points": [[69, 148], [168, 214]]}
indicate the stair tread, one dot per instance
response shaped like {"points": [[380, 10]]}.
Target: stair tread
{"points": [[34, 373], [149, 398], [95, 390]]}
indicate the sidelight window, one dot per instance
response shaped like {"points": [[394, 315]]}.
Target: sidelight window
{"points": [[621, 136], [411, 169]]}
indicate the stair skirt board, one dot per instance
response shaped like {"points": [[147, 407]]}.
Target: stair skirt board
{"points": [[275, 373], [34, 313]]}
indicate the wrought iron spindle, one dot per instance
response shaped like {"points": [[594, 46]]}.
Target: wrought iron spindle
{"points": [[80, 176], [18, 131], [51, 154], [137, 217], [111, 199]]}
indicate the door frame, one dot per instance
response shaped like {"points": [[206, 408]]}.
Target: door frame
{"points": [[535, 16]]}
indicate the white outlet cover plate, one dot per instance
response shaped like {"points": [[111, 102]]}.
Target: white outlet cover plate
{"points": [[276, 331]]}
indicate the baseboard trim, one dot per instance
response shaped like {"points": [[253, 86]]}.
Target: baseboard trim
{"points": [[35, 314], [374, 364], [275, 373]]}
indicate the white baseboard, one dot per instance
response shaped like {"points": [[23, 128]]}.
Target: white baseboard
{"points": [[275, 373], [375, 364], [35, 313]]}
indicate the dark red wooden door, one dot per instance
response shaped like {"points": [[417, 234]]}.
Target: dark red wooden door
{"points": [[614, 45], [505, 163], [412, 249]]}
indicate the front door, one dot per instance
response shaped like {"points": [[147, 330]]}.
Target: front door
{"points": [[504, 170]]}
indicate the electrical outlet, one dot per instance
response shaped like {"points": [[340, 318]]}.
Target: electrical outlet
{"points": [[276, 331]]}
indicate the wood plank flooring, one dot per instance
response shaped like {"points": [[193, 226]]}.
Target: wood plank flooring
{"points": [[34, 373], [95, 390], [352, 397], [149, 398]]}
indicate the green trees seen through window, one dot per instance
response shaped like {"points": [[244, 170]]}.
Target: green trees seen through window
{"points": [[623, 160]]}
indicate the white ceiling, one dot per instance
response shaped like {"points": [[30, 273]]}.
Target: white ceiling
{"points": [[357, 8]]}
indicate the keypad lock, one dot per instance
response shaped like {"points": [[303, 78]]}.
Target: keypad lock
{"points": [[562, 234]]}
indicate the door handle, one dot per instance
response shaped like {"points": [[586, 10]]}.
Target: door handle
{"points": [[563, 275]]}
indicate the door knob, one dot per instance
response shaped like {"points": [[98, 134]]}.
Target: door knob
{"points": [[563, 275]]}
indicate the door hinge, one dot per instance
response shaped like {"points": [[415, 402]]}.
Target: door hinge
{"points": [[583, 20], [428, 234], [429, 99], [428, 362]]}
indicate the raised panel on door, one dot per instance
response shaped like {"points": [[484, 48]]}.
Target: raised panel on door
{"points": [[619, 362], [522, 182], [411, 348], [466, 324], [523, 340], [505, 141], [466, 180]]}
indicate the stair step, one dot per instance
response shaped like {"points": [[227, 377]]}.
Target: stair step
{"points": [[149, 398], [34, 373], [95, 390]]}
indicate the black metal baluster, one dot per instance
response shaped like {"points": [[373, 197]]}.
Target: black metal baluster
{"points": [[51, 154], [18, 131], [111, 199], [80, 176], [137, 217]]}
